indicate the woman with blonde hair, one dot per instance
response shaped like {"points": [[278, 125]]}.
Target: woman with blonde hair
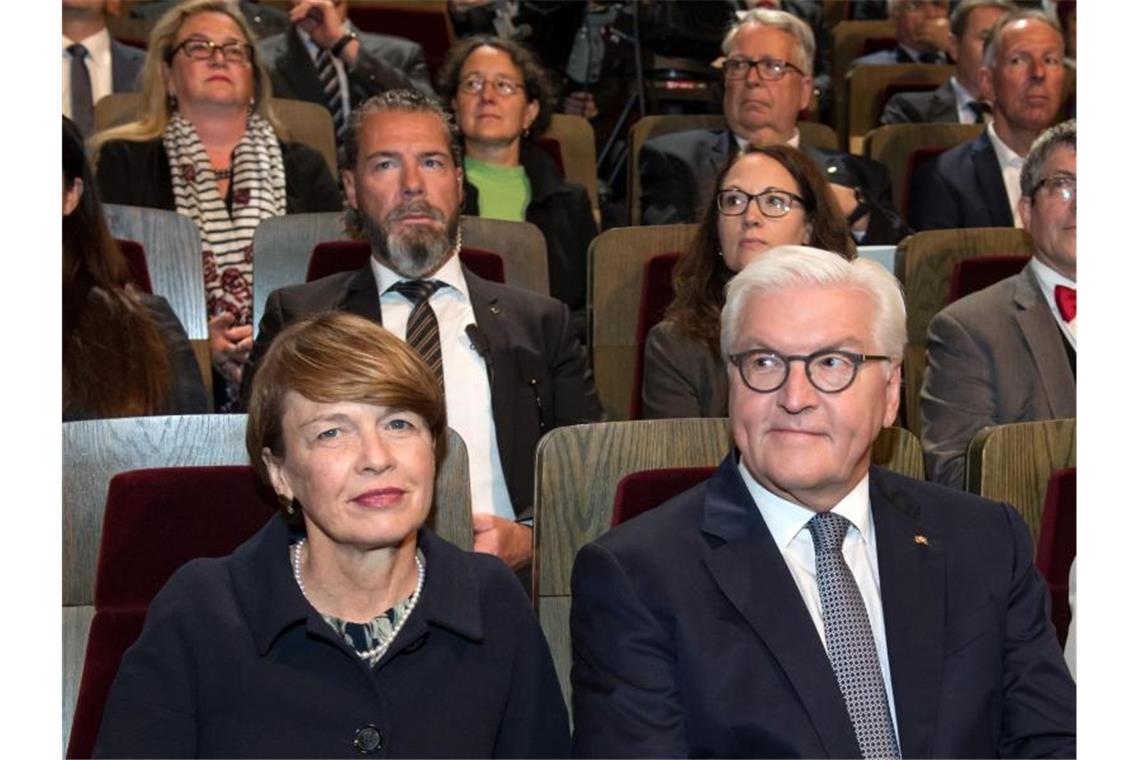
{"points": [[208, 146]]}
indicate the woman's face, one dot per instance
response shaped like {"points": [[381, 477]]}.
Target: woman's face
{"points": [[744, 237], [214, 81], [72, 192], [488, 117], [364, 474]]}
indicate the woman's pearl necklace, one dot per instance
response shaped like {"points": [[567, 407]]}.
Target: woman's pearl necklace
{"points": [[380, 648]]}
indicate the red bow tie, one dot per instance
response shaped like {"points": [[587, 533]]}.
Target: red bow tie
{"points": [[1066, 302]]}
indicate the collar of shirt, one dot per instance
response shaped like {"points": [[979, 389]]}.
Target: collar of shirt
{"points": [[793, 141], [1010, 164], [1049, 279], [98, 44], [450, 274], [785, 519], [1006, 155], [962, 101]]}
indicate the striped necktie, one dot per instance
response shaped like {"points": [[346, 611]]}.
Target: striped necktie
{"points": [[330, 85], [82, 104], [850, 643], [422, 332]]}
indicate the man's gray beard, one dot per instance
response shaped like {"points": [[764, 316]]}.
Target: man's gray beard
{"points": [[418, 252]]}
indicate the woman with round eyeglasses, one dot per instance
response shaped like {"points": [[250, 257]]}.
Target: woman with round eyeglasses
{"points": [[208, 146], [768, 196], [345, 626], [503, 98]]}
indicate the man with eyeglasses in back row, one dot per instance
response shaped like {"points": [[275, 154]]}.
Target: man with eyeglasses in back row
{"points": [[767, 83], [1008, 353], [802, 602]]}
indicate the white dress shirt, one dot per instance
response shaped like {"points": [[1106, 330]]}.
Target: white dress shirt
{"points": [[1049, 279], [963, 99], [787, 522], [338, 64], [1010, 164], [466, 385], [98, 62]]}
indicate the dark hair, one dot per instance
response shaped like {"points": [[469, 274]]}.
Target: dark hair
{"points": [[114, 360], [961, 14], [1057, 136], [337, 356], [536, 81], [701, 274]]}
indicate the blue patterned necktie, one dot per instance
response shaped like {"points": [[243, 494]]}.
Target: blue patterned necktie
{"points": [[850, 644], [422, 332]]}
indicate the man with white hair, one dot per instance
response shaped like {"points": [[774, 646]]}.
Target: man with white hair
{"points": [[767, 83], [802, 602]]}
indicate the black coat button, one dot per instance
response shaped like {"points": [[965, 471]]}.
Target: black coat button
{"points": [[368, 740]]}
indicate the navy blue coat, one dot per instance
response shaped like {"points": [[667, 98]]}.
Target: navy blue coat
{"points": [[691, 638], [962, 187], [233, 662]]}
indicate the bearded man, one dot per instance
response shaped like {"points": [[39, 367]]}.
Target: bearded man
{"points": [[507, 359]]}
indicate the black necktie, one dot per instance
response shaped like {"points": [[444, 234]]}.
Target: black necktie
{"points": [[980, 110], [330, 84], [422, 333], [82, 106], [850, 642]]}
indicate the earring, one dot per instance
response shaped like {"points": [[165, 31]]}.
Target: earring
{"points": [[526, 132], [720, 253], [252, 106], [171, 102]]}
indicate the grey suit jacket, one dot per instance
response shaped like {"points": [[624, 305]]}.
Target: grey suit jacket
{"points": [[682, 378], [993, 357], [126, 63], [385, 63], [922, 107], [540, 378]]}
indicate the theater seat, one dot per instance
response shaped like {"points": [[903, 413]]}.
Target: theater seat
{"points": [[136, 264], [656, 295], [971, 275], [1057, 545], [643, 490], [156, 520]]}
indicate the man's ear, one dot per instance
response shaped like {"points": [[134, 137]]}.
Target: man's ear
{"points": [[1025, 211], [986, 84], [348, 179], [894, 394]]}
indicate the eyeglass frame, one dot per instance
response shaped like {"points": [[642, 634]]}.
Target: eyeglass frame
{"points": [[855, 358], [756, 197], [496, 85], [758, 65], [213, 47], [1053, 179]]}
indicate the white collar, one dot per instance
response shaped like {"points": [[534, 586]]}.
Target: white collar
{"points": [[98, 44], [786, 519], [451, 274], [1049, 278], [961, 94], [1006, 155]]}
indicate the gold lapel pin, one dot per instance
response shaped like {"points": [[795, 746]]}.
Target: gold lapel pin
{"points": [[921, 540]]}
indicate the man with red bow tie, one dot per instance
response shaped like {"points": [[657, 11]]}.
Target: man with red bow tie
{"points": [[1009, 353]]}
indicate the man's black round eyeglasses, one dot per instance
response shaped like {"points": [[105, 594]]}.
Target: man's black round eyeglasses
{"points": [[830, 371]]}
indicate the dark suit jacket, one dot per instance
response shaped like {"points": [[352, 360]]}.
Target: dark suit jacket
{"points": [[896, 54], [232, 662], [385, 63], [962, 187], [126, 63], [921, 107], [691, 638], [993, 357], [678, 171], [540, 378]]}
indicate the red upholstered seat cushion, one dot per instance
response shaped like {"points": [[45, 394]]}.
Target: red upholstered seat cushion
{"points": [[915, 161], [656, 295], [349, 255], [1057, 543], [136, 264], [980, 272], [156, 520], [641, 491]]}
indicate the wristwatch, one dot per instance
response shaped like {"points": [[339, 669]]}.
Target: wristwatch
{"points": [[340, 44]]}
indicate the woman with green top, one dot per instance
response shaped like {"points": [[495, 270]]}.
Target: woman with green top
{"points": [[502, 98]]}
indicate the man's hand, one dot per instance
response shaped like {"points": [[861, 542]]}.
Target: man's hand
{"points": [[229, 346], [320, 20], [848, 201], [508, 540]]}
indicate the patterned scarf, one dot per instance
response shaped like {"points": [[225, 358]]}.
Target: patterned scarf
{"points": [[258, 187]]}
